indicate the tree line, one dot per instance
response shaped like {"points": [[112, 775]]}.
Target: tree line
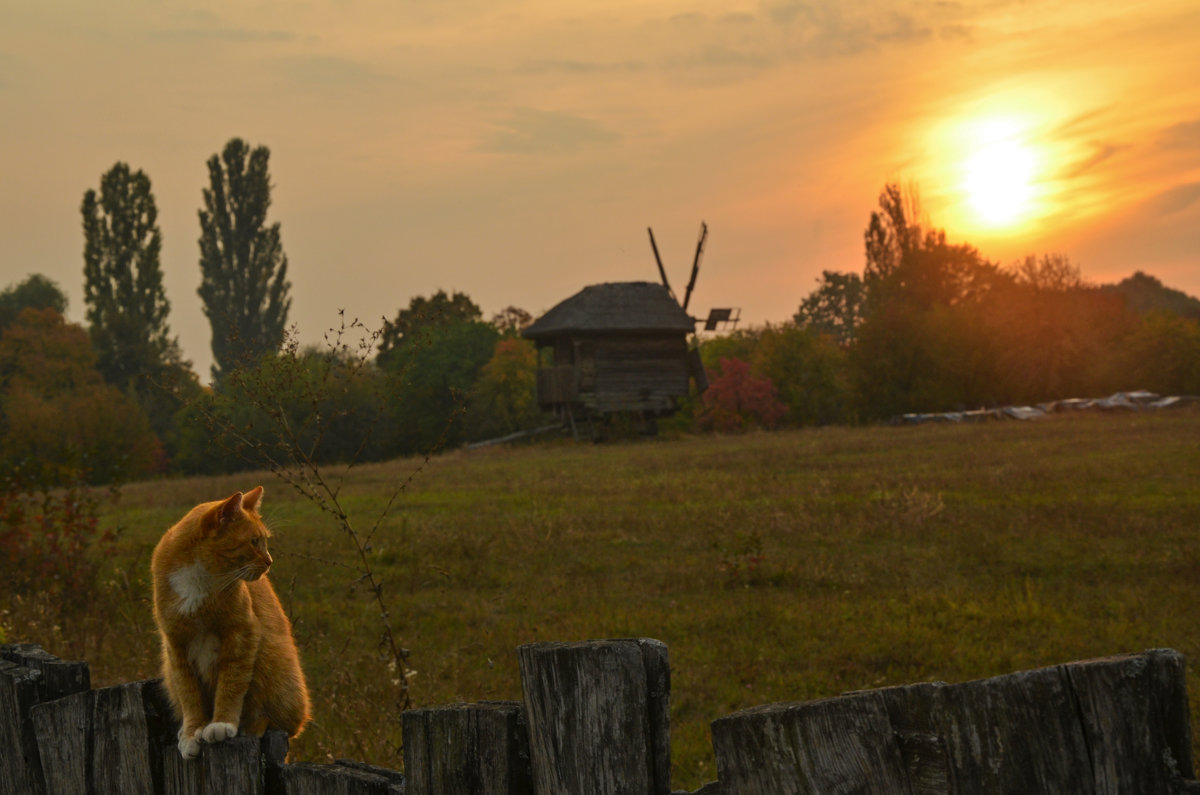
{"points": [[927, 325]]}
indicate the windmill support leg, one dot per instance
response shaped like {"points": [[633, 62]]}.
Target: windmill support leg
{"points": [[571, 421]]}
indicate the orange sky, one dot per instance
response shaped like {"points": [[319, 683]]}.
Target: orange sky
{"points": [[518, 150]]}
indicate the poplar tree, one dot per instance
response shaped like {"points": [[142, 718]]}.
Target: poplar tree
{"points": [[126, 304], [244, 270]]}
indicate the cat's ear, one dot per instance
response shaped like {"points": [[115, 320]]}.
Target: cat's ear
{"points": [[228, 510], [253, 499]]}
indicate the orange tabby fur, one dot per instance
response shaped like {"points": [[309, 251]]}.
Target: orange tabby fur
{"points": [[229, 660]]}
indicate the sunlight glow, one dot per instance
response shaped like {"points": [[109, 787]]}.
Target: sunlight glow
{"points": [[999, 174]]}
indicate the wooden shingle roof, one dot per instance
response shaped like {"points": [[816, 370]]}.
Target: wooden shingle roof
{"points": [[613, 307]]}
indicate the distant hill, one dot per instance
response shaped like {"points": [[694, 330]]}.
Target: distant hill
{"points": [[1144, 293]]}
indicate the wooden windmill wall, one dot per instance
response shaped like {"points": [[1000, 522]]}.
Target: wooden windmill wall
{"points": [[614, 347]]}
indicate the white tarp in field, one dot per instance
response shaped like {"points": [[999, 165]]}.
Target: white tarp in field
{"points": [[1139, 400]]}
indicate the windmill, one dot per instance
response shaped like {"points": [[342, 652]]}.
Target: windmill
{"points": [[716, 317]]}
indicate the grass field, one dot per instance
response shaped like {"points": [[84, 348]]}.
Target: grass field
{"points": [[782, 566]]}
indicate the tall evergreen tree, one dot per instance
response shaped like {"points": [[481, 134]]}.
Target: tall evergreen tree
{"points": [[244, 270], [126, 304]]}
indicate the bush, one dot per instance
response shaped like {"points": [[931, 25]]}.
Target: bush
{"points": [[736, 400]]}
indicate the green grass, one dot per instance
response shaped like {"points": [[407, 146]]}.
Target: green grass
{"points": [[776, 567]]}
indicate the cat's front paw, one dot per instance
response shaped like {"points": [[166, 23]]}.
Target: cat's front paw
{"points": [[189, 746], [216, 732]]}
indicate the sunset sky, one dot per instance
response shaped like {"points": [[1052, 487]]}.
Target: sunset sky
{"points": [[517, 151]]}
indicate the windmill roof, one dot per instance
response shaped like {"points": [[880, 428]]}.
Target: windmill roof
{"points": [[614, 306]]}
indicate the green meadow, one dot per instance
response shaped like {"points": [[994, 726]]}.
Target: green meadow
{"points": [[776, 566]]}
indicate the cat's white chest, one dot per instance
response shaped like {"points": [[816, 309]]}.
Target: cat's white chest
{"points": [[192, 585], [202, 653]]}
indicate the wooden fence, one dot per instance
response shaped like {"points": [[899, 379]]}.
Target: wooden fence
{"points": [[594, 719]]}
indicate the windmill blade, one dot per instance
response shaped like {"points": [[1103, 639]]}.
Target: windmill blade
{"points": [[661, 271], [687, 296]]}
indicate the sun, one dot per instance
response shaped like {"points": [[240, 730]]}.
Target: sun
{"points": [[998, 176]]}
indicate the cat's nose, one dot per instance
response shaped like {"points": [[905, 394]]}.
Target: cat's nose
{"points": [[270, 560]]}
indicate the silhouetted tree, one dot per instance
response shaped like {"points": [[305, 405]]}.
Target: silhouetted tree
{"points": [[36, 292], [1145, 293], [244, 282], [59, 421], [422, 318], [836, 307]]}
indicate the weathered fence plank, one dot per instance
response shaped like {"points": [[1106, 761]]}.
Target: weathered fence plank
{"points": [[59, 677], [479, 748], [308, 779], [836, 745], [18, 750], [235, 765], [1115, 725], [128, 737], [47, 678], [63, 729], [597, 714], [1014, 733], [1134, 710]]}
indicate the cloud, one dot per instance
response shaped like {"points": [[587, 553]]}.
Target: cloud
{"points": [[233, 35], [529, 131], [329, 70], [1185, 135], [827, 30], [1174, 200], [573, 67], [1101, 152]]}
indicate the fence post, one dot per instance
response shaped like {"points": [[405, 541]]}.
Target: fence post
{"points": [[234, 765], [343, 778], [1134, 710], [131, 728], [18, 756], [28, 677], [842, 744], [598, 716], [479, 748]]}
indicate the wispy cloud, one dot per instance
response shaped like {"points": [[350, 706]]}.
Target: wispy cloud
{"points": [[329, 70], [218, 33], [580, 67], [529, 131], [1174, 200]]}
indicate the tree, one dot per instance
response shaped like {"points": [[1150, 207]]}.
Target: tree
{"points": [[424, 317], [809, 371], [1162, 354], [436, 379], [835, 308], [59, 421], [36, 292], [127, 306], [504, 397], [1145, 293], [244, 282], [511, 320]]}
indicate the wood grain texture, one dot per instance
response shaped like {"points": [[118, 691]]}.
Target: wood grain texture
{"points": [[19, 759], [593, 727], [309, 779], [832, 746], [63, 729], [1135, 718], [233, 766], [126, 742], [480, 748]]}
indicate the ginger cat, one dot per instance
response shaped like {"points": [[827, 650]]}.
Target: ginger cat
{"points": [[229, 660]]}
